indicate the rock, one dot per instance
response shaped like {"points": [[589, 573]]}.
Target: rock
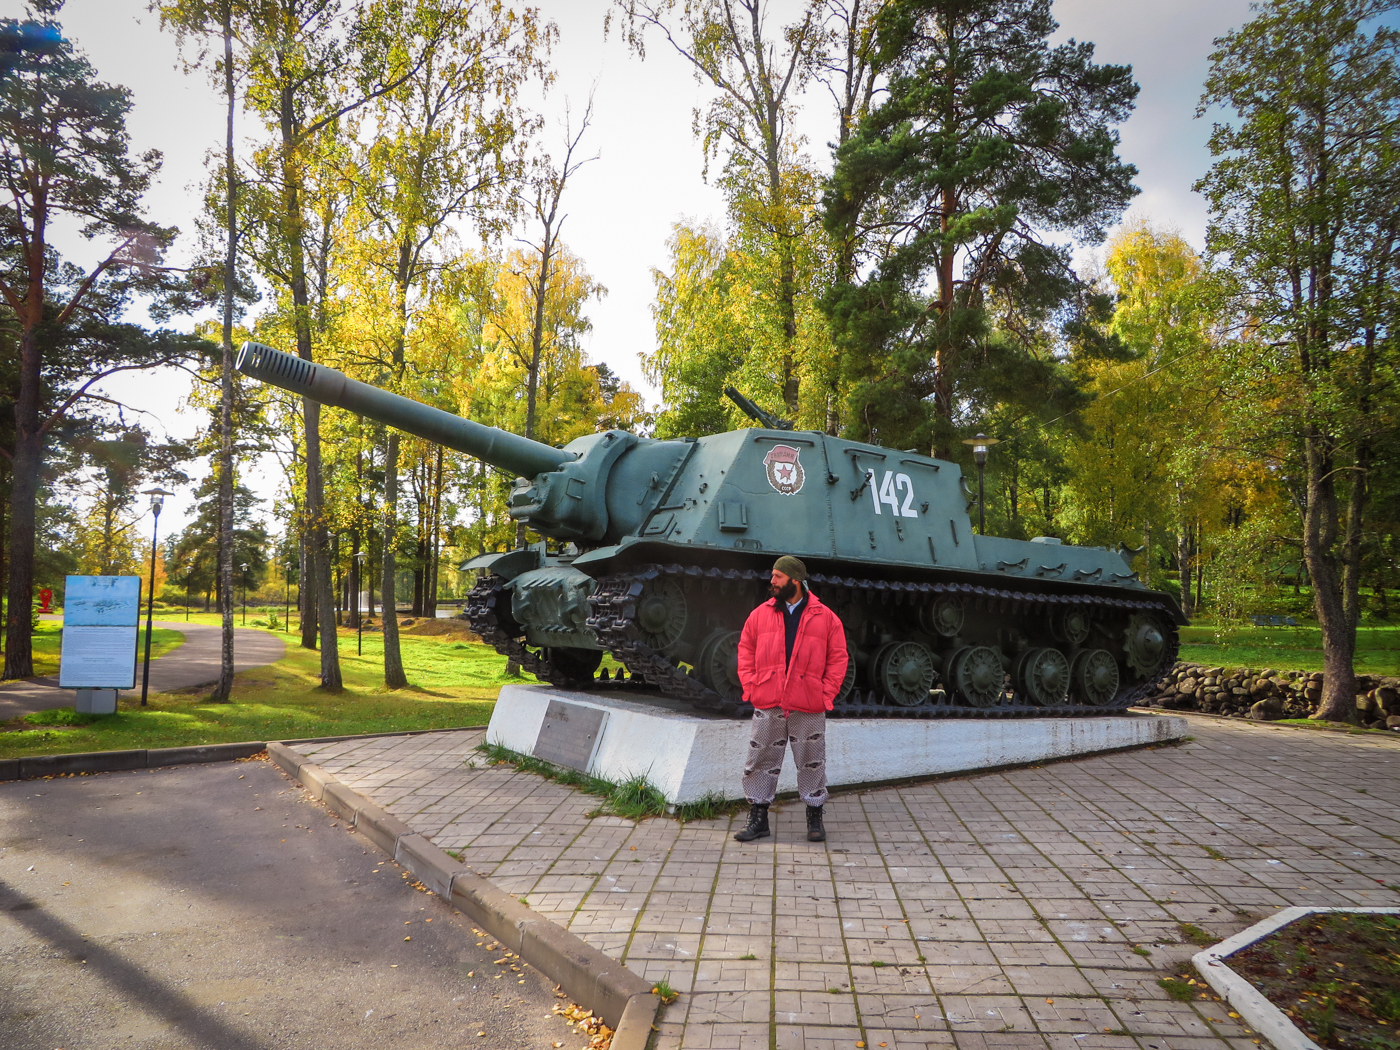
{"points": [[1268, 672], [1266, 710], [1389, 699], [1393, 722], [1238, 691]]}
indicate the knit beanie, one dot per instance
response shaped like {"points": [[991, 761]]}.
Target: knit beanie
{"points": [[792, 567]]}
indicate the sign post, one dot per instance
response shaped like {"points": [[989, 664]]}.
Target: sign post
{"points": [[100, 618]]}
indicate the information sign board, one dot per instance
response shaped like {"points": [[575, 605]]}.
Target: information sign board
{"points": [[100, 617]]}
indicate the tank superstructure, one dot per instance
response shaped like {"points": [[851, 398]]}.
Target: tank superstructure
{"points": [[664, 546]]}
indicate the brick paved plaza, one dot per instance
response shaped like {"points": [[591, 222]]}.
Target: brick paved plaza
{"points": [[1029, 908]]}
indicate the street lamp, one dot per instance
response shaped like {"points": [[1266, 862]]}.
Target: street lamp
{"points": [[189, 576], [157, 501], [359, 619], [980, 444], [287, 612], [244, 569]]}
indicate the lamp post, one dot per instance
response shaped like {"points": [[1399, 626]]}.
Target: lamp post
{"points": [[980, 444], [244, 569], [359, 619], [189, 575], [287, 581], [157, 501]]}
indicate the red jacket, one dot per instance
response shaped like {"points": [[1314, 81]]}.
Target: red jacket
{"points": [[811, 680]]}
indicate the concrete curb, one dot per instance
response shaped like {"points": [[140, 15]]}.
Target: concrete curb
{"points": [[603, 985], [116, 761], [158, 757], [1263, 1016]]}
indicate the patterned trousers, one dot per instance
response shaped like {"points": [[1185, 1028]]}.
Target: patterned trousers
{"points": [[770, 734]]}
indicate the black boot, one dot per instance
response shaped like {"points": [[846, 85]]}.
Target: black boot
{"points": [[815, 831], [758, 824]]}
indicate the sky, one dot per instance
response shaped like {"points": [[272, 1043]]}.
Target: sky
{"points": [[621, 207]]}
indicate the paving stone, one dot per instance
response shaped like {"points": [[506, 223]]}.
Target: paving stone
{"points": [[985, 896]]}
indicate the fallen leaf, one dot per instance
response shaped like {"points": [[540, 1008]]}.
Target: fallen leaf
{"points": [[408, 938]]}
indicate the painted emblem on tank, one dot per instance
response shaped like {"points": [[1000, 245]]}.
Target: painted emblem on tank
{"points": [[784, 468]]}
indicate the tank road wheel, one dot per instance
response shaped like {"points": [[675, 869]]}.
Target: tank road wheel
{"points": [[904, 673], [943, 616], [661, 613], [1042, 676], [1094, 676], [576, 666], [1071, 625], [1143, 644], [976, 674], [719, 664]]}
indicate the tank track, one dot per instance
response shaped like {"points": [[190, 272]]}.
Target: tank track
{"points": [[613, 620]]}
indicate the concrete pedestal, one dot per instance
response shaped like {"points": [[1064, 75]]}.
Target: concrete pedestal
{"points": [[96, 702], [689, 755]]}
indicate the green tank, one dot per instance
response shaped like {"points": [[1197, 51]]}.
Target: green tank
{"points": [[658, 550]]}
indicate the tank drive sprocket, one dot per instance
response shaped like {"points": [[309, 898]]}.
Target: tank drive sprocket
{"points": [[488, 614]]}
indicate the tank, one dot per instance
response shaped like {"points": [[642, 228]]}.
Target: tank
{"points": [[657, 550]]}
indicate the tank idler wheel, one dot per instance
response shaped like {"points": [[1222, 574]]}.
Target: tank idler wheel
{"points": [[1042, 676], [1144, 642], [976, 674], [943, 616], [662, 613], [1071, 625], [905, 672], [1094, 676], [577, 665], [718, 666]]}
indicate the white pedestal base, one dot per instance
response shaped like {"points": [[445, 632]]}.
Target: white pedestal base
{"points": [[96, 702], [688, 755]]}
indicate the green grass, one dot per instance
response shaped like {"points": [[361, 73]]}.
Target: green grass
{"points": [[452, 684], [1286, 648], [1177, 988], [48, 643], [634, 799]]}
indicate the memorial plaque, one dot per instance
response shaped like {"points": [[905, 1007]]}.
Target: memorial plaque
{"points": [[100, 616], [569, 734]]}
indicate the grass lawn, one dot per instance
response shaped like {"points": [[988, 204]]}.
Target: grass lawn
{"points": [[48, 640], [1286, 648], [453, 683]]}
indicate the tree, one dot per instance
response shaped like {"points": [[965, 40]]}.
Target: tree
{"points": [[770, 186], [1145, 466], [311, 66], [990, 138], [449, 143], [64, 153], [1304, 198], [217, 18]]}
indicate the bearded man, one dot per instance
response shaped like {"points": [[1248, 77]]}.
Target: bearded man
{"points": [[792, 663]]}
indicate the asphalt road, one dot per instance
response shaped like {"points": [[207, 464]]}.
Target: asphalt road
{"points": [[193, 664], [216, 907]]}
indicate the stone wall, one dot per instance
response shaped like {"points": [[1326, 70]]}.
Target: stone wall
{"points": [[1243, 692]]}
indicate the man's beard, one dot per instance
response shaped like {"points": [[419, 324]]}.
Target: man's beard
{"points": [[787, 593]]}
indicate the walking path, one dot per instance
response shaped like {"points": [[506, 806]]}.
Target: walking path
{"points": [[192, 664], [1033, 908]]}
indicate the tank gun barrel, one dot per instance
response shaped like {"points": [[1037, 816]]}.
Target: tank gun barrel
{"points": [[511, 452]]}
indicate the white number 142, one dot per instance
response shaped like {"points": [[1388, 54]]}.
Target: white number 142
{"points": [[889, 493]]}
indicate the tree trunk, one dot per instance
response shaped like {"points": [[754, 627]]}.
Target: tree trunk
{"points": [[306, 590], [24, 492], [1319, 542], [223, 689], [19, 655], [434, 549], [394, 677], [1183, 559], [320, 549]]}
